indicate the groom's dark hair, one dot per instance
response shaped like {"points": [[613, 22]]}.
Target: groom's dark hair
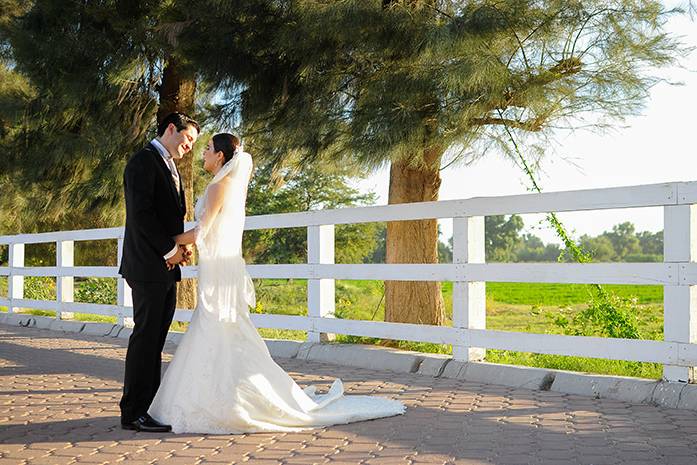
{"points": [[180, 120], [226, 143]]}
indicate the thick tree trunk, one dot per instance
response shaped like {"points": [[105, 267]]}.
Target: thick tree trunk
{"points": [[414, 242], [178, 93]]}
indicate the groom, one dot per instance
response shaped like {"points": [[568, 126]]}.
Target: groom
{"points": [[155, 209]]}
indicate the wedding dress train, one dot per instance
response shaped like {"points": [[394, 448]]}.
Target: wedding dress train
{"points": [[222, 378]]}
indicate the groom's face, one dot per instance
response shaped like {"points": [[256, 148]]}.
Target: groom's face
{"points": [[179, 143]]}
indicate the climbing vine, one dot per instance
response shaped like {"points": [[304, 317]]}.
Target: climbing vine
{"points": [[607, 314]]}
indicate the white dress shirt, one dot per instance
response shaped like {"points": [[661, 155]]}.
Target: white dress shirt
{"points": [[164, 153]]}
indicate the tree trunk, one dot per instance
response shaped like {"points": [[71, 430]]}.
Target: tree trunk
{"points": [[177, 93], [414, 242]]}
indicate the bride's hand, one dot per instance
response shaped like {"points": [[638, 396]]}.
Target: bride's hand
{"points": [[188, 251]]}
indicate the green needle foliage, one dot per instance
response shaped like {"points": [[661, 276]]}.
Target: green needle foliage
{"points": [[378, 81], [369, 80], [94, 68]]}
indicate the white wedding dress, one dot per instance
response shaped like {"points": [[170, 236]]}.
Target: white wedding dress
{"points": [[222, 378]]}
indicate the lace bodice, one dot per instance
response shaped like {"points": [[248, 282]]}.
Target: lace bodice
{"points": [[224, 287]]}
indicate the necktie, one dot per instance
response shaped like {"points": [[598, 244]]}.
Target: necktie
{"points": [[173, 170]]}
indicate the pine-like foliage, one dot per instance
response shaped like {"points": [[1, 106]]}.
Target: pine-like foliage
{"points": [[385, 80], [371, 81], [93, 68]]}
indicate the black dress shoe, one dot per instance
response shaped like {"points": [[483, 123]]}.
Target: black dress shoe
{"points": [[146, 424]]}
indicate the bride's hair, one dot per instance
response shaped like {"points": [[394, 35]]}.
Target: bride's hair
{"points": [[226, 143]]}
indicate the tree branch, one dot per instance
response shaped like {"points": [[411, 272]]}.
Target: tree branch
{"points": [[561, 70], [533, 125]]}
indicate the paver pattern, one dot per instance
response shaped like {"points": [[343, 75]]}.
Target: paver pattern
{"points": [[59, 397]]}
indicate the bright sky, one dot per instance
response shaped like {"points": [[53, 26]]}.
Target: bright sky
{"points": [[658, 146]]}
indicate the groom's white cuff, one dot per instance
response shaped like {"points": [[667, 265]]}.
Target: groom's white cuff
{"points": [[172, 252]]}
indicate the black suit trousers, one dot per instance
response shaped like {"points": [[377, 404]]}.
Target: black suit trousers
{"points": [[153, 309]]}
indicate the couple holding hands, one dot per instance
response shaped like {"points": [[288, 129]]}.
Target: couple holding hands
{"points": [[222, 378]]}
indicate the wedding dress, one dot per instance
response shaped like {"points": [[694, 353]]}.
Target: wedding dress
{"points": [[222, 378]]}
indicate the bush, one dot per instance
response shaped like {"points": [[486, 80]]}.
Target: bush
{"points": [[96, 291], [39, 288], [607, 315]]}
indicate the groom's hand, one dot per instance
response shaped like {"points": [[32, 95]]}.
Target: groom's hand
{"points": [[176, 259]]}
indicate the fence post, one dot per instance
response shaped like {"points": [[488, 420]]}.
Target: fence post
{"points": [[65, 285], [123, 291], [15, 284], [469, 298], [679, 301], [320, 292]]}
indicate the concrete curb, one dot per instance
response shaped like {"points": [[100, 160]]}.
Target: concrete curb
{"points": [[688, 397], [363, 356], [634, 390], [667, 394], [303, 349], [99, 329], [125, 332], [507, 375], [18, 319], [610, 387], [41, 322], [453, 368], [68, 326], [283, 348], [433, 364]]}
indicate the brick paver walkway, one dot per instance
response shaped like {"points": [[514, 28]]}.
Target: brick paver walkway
{"points": [[59, 394]]}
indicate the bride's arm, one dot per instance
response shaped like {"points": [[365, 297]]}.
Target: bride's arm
{"points": [[214, 201], [187, 237]]}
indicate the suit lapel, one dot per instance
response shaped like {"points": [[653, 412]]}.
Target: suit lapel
{"points": [[181, 198], [178, 196]]}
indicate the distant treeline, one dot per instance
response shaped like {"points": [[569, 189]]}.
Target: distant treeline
{"points": [[506, 243]]}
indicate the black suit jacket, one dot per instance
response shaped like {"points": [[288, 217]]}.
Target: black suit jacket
{"points": [[154, 214]]}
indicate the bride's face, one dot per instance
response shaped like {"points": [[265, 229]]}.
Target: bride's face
{"points": [[212, 159]]}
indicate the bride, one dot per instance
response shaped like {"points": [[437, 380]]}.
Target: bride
{"points": [[222, 378]]}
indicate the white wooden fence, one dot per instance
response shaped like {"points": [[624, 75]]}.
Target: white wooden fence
{"points": [[468, 273]]}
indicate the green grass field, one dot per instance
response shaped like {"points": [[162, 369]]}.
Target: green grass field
{"points": [[565, 294], [510, 307]]}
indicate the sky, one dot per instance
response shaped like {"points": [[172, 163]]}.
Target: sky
{"points": [[659, 145]]}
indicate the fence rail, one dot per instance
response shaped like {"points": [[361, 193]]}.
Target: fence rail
{"points": [[468, 273]]}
